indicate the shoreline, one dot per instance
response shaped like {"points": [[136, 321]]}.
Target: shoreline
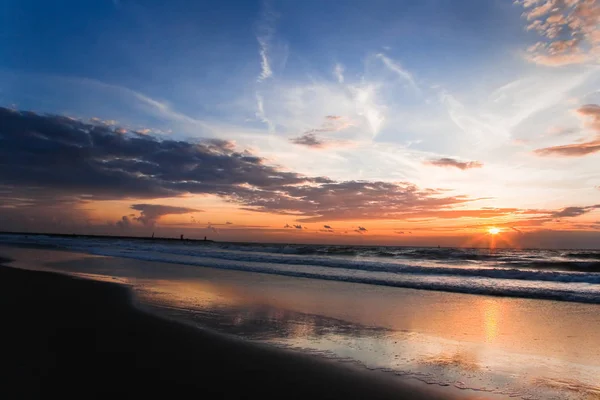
{"points": [[71, 336]]}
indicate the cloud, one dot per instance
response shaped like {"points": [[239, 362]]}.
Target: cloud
{"points": [[569, 212], [150, 213], [309, 140], [361, 230], [332, 123], [124, 223], [397, 69], [46, 150], [264, 36], [338, 72], [47, 160], [452, 163], [299, 227], [591, 112], [591, 115], [212, 228], [570, 150], [569, 30], [327, 228], [260, 113]]}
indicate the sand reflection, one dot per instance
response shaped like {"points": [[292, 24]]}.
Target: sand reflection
{"points": [[491, 319]]}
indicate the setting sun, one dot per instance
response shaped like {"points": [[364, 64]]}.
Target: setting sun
{"points": [[493, 230]]}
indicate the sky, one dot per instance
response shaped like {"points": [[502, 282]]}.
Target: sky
{"points": [[420, 122]]}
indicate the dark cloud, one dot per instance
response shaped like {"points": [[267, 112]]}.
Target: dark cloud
{"points": [[309, 140], [124, 223], [451, 162], [71, 156], [573, 211], [327, 229], [211, 228], [150, 213], [360, 229], [332, 123], [47, 160]]}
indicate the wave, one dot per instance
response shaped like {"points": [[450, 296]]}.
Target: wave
{"points": [[375, 266], [472, 285], [584, 255]]}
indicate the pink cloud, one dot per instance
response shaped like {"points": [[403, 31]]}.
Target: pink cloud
{"points": [[571, 150], [569, 30], [591, 114], [453, 163]]}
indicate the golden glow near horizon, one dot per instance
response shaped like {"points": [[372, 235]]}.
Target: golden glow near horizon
{"points": [[493, 230]]}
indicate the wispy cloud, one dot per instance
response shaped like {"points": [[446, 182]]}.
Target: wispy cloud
{"points": [[590, 113], [332, 123], [260, 113], [264, 36], [453, 163], [338, 72], [399, 70], [571, 150]]}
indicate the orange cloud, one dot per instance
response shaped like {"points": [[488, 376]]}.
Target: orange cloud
{"points": [[571, 150], [591, 114], [555, 20]]}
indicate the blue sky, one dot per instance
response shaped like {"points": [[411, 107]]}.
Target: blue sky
{"points": [[370, 90]]}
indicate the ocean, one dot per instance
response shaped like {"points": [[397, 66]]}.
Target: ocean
{"points": [[565, 275]]}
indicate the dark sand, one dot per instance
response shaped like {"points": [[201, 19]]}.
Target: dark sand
{"points": [[64, 337]]}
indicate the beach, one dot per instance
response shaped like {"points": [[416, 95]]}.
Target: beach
{"points": [[71, 338], [169, 323]]}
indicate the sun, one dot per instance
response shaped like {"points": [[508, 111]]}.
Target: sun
{"points": [[493, 230]]}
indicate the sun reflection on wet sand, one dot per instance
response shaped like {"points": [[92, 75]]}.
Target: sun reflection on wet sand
{"points": [[491, 319]]}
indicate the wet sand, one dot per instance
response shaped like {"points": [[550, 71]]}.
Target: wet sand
{"points": [[65, 337]]}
